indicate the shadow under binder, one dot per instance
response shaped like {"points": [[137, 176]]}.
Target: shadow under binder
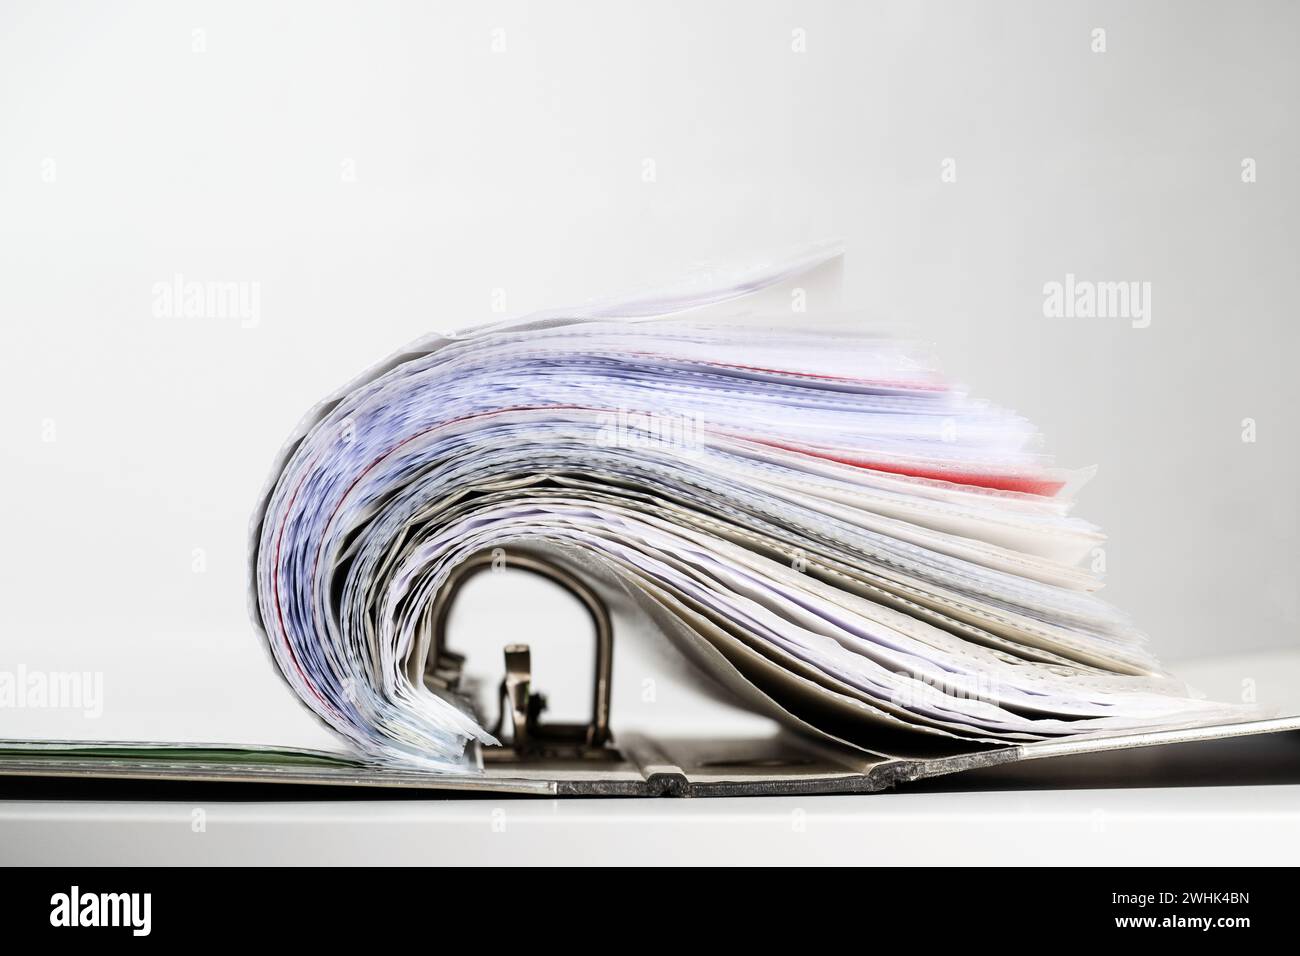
{"points": [[1253, 752]]}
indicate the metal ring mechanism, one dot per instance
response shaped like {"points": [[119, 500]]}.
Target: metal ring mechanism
{"points": [[530, 738]]}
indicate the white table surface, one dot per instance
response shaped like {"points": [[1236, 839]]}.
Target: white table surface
{"points": [[1207, 826]]}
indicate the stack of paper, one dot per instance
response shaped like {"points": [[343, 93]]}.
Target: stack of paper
{"points": [[818, 517]]}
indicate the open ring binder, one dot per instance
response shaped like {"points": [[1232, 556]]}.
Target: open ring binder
{"points": [[846, 541]]}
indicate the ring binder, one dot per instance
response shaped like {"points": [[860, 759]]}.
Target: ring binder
{"points": [[854, 547]]}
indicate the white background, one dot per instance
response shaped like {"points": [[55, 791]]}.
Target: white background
{"points": [[379, 171]]}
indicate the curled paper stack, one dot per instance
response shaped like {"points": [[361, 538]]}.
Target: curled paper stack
{"points": [[817, 517]]}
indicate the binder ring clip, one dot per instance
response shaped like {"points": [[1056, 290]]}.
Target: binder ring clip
{"points": [[530, 737]]}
